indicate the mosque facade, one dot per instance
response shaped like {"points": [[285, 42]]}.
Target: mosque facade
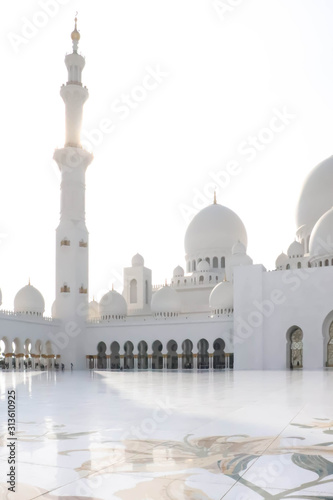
{"points": [[220, 311]]}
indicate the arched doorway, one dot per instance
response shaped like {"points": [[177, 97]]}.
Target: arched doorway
{"points": [[142, 355], [330, 347], [128, 357], [157, 357], [2, 355], [101, 356], [203, 356], [133, 291], [115, 357], [295, 348], [187, 356], [172, 356], [27, 353], [219, 355]]}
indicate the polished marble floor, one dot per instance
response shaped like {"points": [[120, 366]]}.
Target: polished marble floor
{"points": [[170, 436]]}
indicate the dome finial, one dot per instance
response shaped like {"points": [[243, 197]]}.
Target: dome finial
{"points": [[215, 197], [29, 281], [75, 35], [112, 287]]}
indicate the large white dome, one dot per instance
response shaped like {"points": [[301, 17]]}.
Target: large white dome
{"points": [[166, 300], [29, 300], [316, 197], [321, 241], [112, 304], [213, 228]]}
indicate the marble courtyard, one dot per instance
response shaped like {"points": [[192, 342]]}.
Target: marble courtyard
{"points": [[170, 436]]}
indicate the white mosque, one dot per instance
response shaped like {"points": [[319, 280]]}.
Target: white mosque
{"points": [[220, 312]]}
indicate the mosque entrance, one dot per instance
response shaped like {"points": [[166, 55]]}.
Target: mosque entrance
{"points": [[330, 347], [172, 356], [296, 348], [157, 357], [219, 355], [203, 356], [101, 356], [187, 355], [115, 357], [128, 357], [142, 356]]}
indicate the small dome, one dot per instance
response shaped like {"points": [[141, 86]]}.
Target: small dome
{"points": [[112, 304], [240, 259], [281, 261], [203, 266], [29, 300], [138, 260], [295, 250], [321, 241], [215, 228], [222, 296], [178, 272], [93, 309], [166, 300], [238, 248]]}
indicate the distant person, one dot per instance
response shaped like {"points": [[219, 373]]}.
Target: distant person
{"points": [[72, 366], [62, 367]]}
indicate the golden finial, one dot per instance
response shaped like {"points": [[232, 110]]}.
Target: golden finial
{"points": [[29, 281], [215, 197], [166, 282], [75, 34], [112, 287]]}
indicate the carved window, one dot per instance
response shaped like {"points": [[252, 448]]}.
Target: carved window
{"points": [[65, 242]]}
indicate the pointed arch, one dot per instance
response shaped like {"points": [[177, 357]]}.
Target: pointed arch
{"points": [[295, 348]]}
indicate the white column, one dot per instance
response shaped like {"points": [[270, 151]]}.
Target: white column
{"points": [[180, 363]]}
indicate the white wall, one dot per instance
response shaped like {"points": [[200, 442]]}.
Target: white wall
{"points": [[300, 297]]}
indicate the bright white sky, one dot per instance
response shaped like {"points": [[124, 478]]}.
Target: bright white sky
{"points": [[227, 72]]}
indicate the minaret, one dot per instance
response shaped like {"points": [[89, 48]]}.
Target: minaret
{"points": [[72, 243]]}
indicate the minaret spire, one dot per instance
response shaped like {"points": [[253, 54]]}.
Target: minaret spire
{"points": [[75, 36], [72, 238]]}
